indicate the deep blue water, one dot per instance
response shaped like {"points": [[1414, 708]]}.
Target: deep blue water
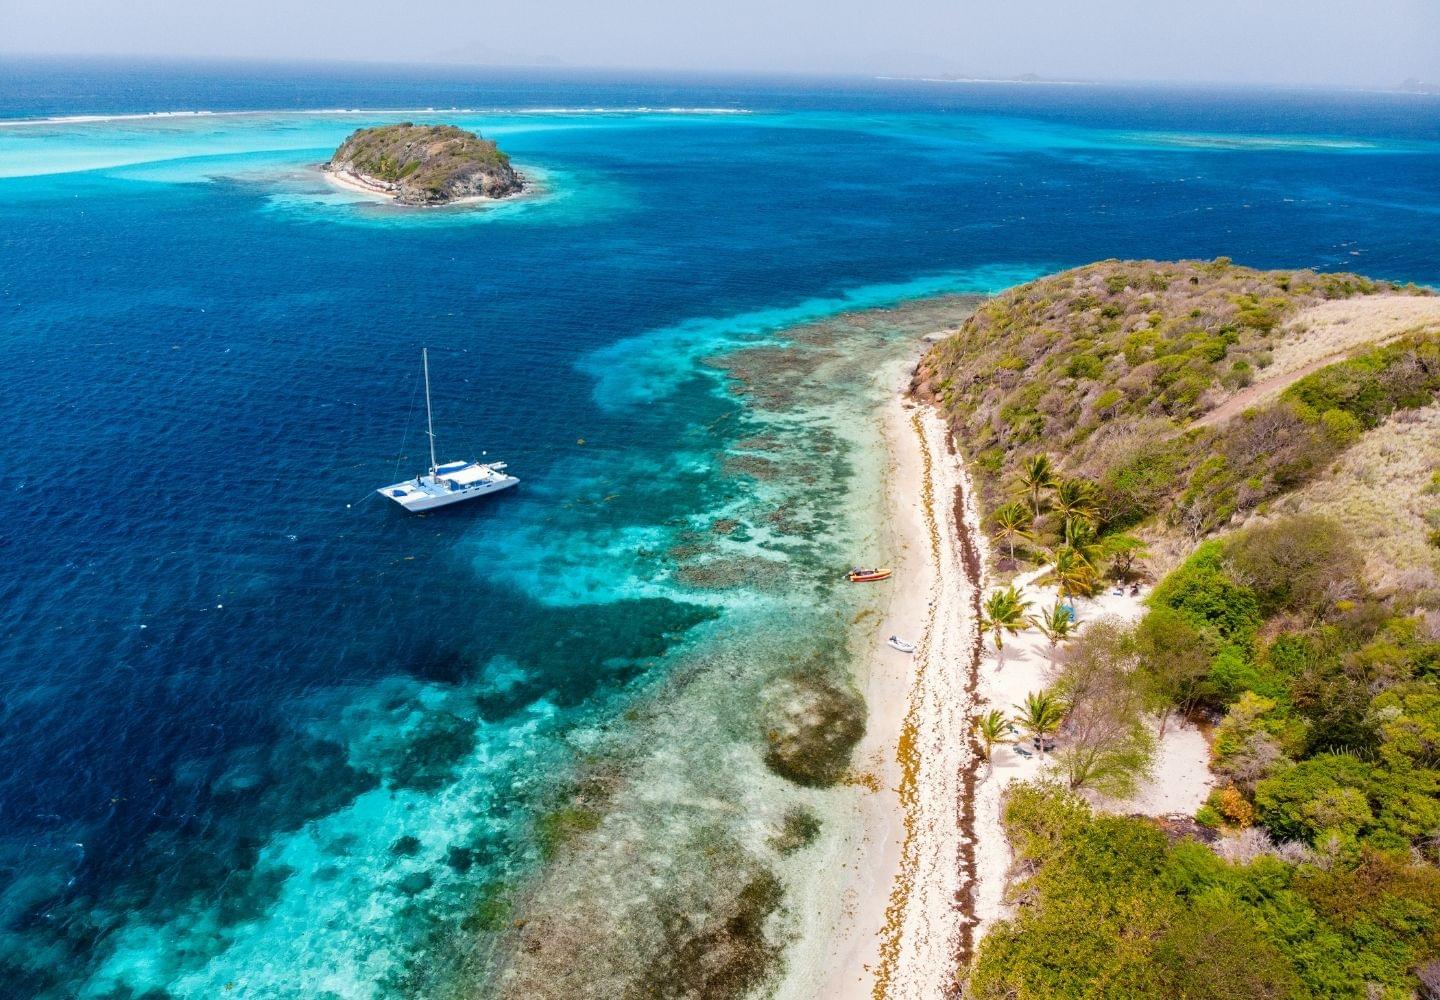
{"points": [[211, 636]]}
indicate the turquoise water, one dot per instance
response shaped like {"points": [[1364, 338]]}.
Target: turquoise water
{"points": [[262, 732]]}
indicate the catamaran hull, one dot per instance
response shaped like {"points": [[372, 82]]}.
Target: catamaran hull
{"points": [[415, 500]]}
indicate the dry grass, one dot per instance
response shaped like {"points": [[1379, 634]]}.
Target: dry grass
{"points": [[1380, 490], [1337, 326], [1327, 332]]}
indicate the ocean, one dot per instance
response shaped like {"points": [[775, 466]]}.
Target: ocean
{"points": [[264, 734]]}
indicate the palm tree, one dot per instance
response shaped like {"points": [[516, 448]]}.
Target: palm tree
{"points": [[1058, 624], [1077, 506], [1073, 572], [1086, 545], [1004, 611], [1036, 476], [1040, 716], [992, 728], [1012, 521]]}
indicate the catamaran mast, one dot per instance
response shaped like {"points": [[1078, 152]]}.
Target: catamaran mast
{"points": [[429, 420]]}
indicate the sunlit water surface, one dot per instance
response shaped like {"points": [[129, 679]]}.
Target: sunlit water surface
{"points": [[261, 732]]}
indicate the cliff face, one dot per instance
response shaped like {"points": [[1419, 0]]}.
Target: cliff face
{"points": [[426, 164]]}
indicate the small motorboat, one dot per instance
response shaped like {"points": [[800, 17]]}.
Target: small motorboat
{"points": [[895, 642], [860, 575]]}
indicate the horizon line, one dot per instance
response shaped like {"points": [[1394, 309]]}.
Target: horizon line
{"points": [[1026, 78]]}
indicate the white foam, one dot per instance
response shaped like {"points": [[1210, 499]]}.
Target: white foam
{"points": [[329, 112]]}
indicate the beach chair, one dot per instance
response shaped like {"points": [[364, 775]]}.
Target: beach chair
{"points": [[1023, 752]]}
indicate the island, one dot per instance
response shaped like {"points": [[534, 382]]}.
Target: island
{"points": [[424, 165]]}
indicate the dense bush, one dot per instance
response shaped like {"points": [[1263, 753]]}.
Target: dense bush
{"points": [[1302, 564], [1333, 719], [1327, 749], [1116, 911], [1401, 375], [1204, 593]]}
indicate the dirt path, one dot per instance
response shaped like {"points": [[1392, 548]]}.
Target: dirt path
{"points": [[1262, 392], [1324, 334]]}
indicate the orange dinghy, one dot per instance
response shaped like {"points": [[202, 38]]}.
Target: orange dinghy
{"points": [[858, 575]]}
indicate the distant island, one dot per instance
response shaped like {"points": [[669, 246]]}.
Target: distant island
{"points": [[1414, 86], [1019, 78], [424, 165]]}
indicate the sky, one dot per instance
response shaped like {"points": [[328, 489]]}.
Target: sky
{"points": [[1307, 42]]}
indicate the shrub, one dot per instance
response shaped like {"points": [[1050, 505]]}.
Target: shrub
{"points": [[1233, 805], [1084, 366], [1202, 591], [1370, 386], [1252, 739], [1116, 911], [1341, 429], [1212, 951], [1301, 563], [1326, 792], [1175, 660]]}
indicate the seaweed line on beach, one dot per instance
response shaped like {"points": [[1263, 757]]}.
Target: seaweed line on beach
{"points": [[926, 936], [973, 565]]}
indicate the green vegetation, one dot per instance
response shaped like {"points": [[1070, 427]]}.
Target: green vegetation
{"points": [[1201, 479], [1013, 522], [1328, 748], [1058, 625], [1174, 659], [1115, 910], [1040, 715], [1081, 398], [1100, 698], [1082, 389], [1330, 693], [1107, 745], [990, 729], [1004, 611]]}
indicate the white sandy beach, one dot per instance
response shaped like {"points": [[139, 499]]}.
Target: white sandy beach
{"points": [[355, 184], [905, 921], [902, 925]]}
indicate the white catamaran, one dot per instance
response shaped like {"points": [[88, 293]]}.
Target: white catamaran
{"points": [[448, 483]]}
